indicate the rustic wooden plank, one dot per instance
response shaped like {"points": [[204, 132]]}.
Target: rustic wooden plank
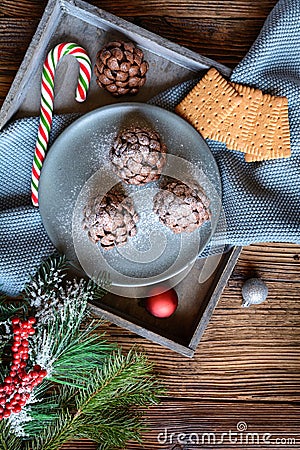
{"points": [[22, 8], [15, 36], [279, 262], [247, 366], [186, 425], [244, 353], [223, 40], [226, 41], [188, 8]]}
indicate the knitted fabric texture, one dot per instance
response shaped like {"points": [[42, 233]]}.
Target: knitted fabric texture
{"points": [[261, 200]]}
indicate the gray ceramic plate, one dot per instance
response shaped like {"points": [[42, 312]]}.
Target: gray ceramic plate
{"points": [[77, 167]]}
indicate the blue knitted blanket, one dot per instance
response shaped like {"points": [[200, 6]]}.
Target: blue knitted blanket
{"points": [[261, 200]]}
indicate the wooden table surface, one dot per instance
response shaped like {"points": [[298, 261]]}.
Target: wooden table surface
{"points": [[247, 366]]}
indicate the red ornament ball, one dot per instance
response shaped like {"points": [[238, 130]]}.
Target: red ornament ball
{"points": [[161, 304]]}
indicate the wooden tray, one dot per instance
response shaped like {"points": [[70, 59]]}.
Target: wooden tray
{"points": [[75, 20], [197, 301]]}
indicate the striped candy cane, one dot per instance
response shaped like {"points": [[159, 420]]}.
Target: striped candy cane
{"points": [[47, 98]]}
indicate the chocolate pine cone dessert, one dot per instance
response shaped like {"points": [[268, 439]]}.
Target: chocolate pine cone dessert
{"points": [[138, 156], [180, 207], [111, 219], [120, 68]]}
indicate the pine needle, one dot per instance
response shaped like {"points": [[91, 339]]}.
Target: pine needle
{"points": [[7, 440], [106, 410], [12, 308], [91, 390]]}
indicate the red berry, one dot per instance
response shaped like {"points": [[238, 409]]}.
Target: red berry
{"points": [[35, 373], [17, 339], [8, 405], [37, 367], [17, 409], [8, 379], [17, 330], [43, 373], [17, 356], [15, 320], [14, 375], [23, 364], [32, 320], [6, 413], [161, 304], [2, 401], [24, 343], [31, 331]]}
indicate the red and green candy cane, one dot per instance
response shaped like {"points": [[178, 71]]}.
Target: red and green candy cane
{"points": [[47, 99]]}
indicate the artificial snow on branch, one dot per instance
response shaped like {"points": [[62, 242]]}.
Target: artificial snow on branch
{"points": [[81, 386]]}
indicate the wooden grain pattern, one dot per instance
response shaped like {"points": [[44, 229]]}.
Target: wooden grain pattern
{"points": [[207, 36], [247, 366], [191, 421], [182, 8], [222, 31]]}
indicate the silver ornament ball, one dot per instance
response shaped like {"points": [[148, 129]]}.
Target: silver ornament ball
{"points": [[254, 292]]}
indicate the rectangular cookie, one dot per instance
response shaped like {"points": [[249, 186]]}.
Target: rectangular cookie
{"points": [[280, 146], [233, 131], [208, 104], [262, 127]]}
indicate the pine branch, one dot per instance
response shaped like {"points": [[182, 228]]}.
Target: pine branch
{"points": [[67, 353], [42, 414], [114, 432], [42, 291], [7, 440], [47, 278], [10, 309], [79, 358], [123, 381], [96, 390], [104, 410], [59, 433]]}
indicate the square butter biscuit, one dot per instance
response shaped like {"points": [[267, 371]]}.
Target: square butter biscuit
{"points": [[233, 130], [208, 104], [280, 145]]}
